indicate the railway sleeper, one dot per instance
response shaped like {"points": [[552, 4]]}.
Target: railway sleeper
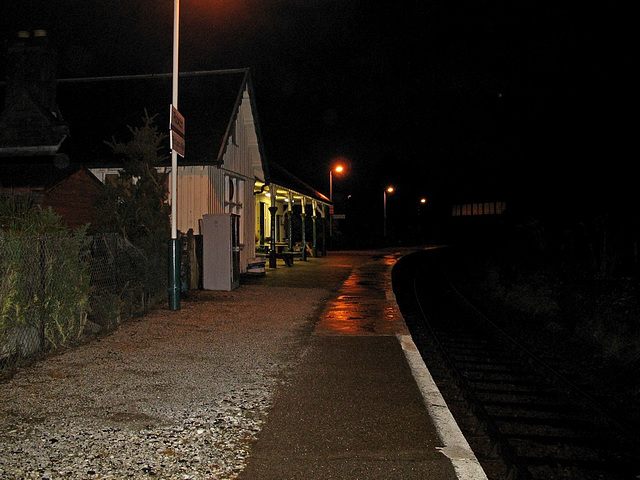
{"points": [[583, 469], [510, 403], [560, 451]]}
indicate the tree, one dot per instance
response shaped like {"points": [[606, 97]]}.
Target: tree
{"points": [[135, 203]]}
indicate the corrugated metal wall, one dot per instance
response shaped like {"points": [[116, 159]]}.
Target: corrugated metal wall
{"points": [[202, 188]]}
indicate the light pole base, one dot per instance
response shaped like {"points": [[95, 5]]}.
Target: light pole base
{"points": [[174, 274]]}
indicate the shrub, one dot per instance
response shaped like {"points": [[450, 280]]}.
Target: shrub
{"points": [[45, 283]]}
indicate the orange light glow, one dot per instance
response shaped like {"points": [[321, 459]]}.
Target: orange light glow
{"points": [[223, 14], [354, 312], [217, 7], [340, 164], [390, 189], [423, 200]]}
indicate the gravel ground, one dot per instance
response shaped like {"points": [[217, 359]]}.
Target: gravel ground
{"points": [[175, 395]]}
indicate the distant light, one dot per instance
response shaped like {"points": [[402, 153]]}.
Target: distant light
{"points": [[423, 200], [390, 189], [339, 168]]}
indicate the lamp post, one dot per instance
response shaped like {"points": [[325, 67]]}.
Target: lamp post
{"points": [[174, 250], [423, 203], [337, 169], [389, 189]]}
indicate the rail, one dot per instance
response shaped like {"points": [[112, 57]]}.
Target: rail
{"points": [[526, 421]]}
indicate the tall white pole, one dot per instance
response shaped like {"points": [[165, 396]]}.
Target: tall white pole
{"points": [[174, 249], [174, 101]]}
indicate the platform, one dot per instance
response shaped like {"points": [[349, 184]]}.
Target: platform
{"points": [[360, 404]]}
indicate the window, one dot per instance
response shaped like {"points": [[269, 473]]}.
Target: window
{"points": [[233, 195], [475, 209]]}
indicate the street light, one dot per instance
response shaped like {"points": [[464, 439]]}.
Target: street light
{"points": [[389, 189], [423, 203], [338, 169], [174, 250]]}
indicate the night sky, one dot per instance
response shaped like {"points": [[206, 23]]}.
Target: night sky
{"points": [[510, 99]]}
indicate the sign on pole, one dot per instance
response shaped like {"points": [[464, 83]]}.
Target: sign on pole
{"points": [[176, 139], [177, 143]]}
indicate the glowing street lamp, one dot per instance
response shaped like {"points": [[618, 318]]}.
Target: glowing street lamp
{"points": [[423, 203], [337, 169], [387, 190]]}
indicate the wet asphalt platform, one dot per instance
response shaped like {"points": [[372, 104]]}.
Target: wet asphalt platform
{"points": [[360, 404]]}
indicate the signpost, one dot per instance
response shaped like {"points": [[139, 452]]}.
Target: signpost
{"points": [[177, 132], [177, 121], [174, 247], [177, 144]]}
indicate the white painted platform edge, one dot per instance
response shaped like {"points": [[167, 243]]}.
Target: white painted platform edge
{"points": [[455, 446]]}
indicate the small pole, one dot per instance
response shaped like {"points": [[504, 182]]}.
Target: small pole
{"points": [[331, 207], [384, 215]]}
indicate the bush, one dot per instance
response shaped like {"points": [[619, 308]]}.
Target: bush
{"points": [[44, 288]]}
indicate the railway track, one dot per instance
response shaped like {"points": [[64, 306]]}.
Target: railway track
{"points": [[523, 418]]}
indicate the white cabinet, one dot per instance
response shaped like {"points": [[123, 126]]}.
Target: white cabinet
{"points": [[220, 251]]}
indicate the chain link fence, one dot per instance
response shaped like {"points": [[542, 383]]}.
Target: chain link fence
{"points": [[53, 289]]}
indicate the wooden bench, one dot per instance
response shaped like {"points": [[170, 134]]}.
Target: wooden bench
{"points": [[287, 257], [297, 249], [284, 254]]}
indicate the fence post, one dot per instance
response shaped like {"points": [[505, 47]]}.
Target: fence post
{"points": [[43, 287]]}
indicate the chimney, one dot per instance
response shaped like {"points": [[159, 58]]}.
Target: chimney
{"points": [[32, 69]]}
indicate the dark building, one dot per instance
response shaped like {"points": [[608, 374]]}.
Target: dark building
{"points": [[32, 132]]}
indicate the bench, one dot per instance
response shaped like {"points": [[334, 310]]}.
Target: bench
{"points": [[299, 250], [287, 257]]}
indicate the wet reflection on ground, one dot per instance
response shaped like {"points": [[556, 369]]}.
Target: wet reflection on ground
{"points": [[365, 304]]}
